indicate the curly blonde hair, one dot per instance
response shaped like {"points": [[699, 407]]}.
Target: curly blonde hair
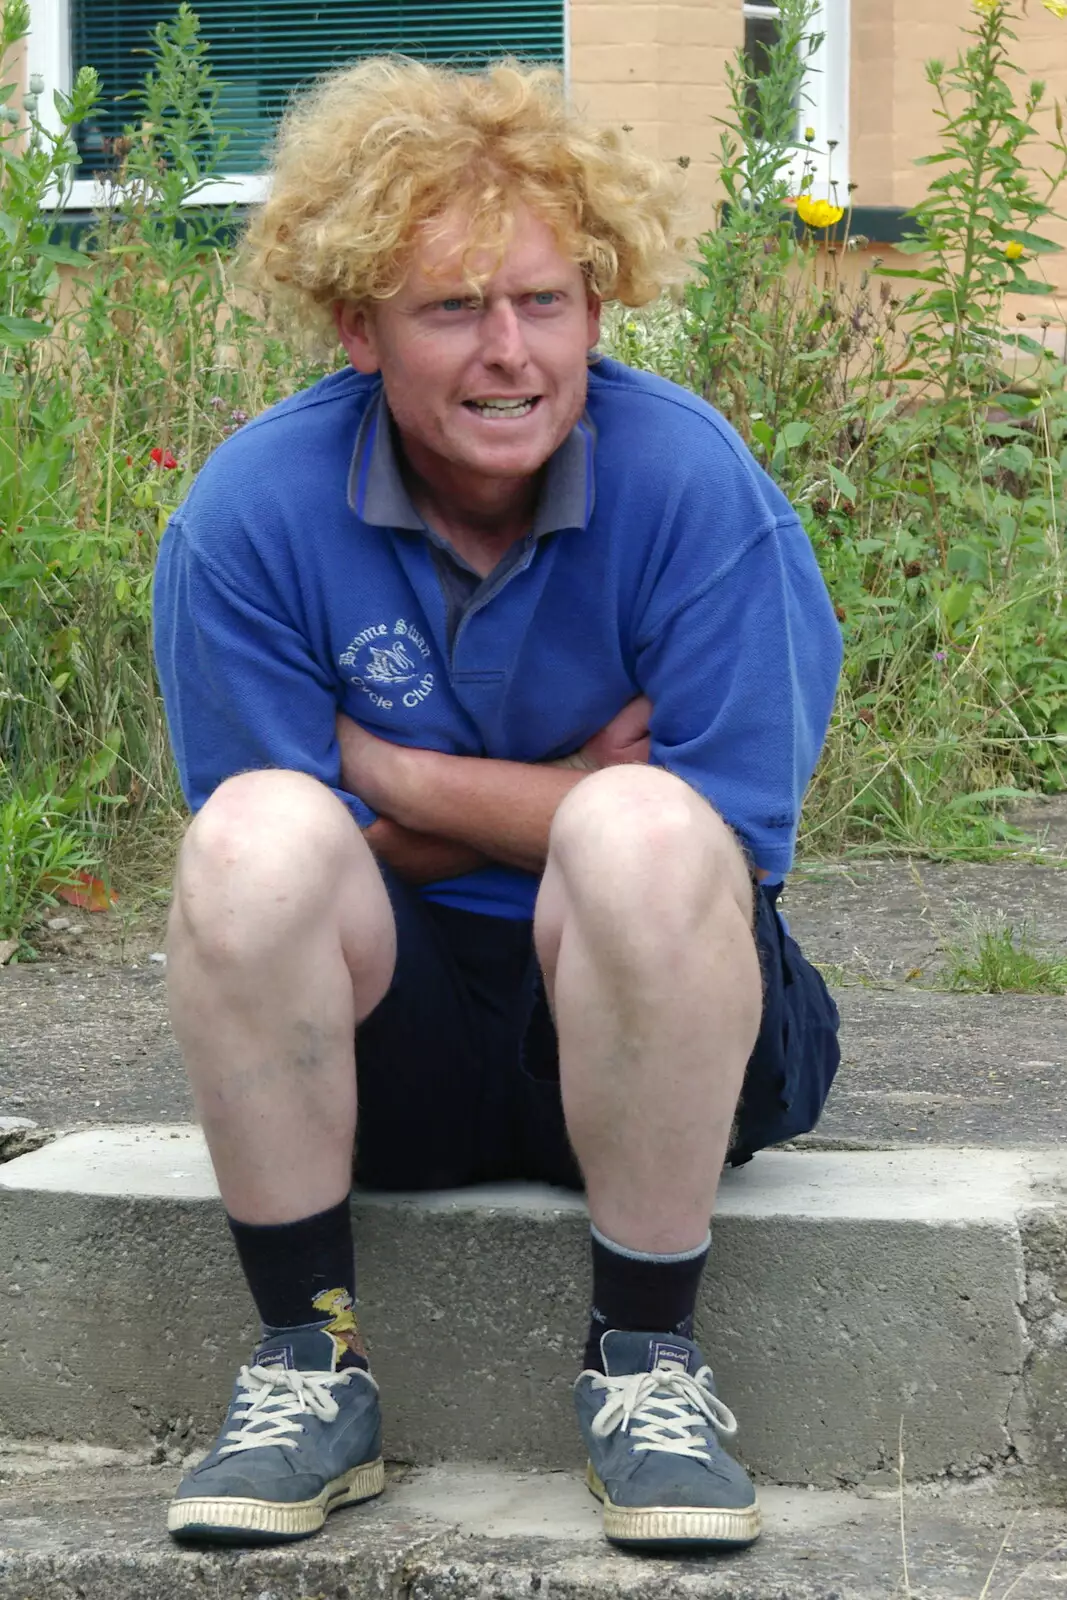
{"points": [[378, 149]]}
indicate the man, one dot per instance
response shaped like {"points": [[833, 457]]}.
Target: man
{"points": [[495, 679]]}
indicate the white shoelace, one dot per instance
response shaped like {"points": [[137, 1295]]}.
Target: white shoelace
{"points": [[273, 1398], [660, 1408]]}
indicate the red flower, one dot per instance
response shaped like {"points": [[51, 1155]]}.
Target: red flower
{"points": [[129, 461], [162, 458]]}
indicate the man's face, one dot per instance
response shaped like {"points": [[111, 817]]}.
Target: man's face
{"points": [[481, 388]]}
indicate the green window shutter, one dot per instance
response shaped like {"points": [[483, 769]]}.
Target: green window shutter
{"points": [[262, 50]]}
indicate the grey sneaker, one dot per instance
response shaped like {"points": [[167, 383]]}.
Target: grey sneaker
{"points": [[299, 1440], [652, 1429]]}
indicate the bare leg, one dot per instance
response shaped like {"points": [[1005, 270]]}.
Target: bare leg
{"points": [[644, 930], [281, 939]]}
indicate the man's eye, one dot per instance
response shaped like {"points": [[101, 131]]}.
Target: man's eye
{"points": [[456, 303], [544, 297]]}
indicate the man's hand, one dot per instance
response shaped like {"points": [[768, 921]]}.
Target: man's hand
{"points": [[624, 739]]}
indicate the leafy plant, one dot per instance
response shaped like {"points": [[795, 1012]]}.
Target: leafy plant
{"points": [[35, 162], [114, 385], [929, 480], [40, 851], [765, 309], [975, 230]]}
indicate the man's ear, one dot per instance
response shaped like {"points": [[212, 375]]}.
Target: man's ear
{"points": [[355, 329]]}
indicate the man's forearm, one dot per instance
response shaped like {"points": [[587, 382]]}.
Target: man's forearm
{"points": [[502, 809], [419, 857]]}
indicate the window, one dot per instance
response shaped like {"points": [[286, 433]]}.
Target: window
{"points": [[264, 49], [825, 103]]}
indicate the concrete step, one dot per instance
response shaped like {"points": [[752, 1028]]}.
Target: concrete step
{"points": [[852, 1293], [82, 1531]]}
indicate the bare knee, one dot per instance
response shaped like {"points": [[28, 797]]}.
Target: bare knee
{"points": [[633, 836], [267, 855]]}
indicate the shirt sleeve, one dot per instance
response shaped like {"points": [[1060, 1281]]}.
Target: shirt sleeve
{"points": [[742, 670], [241, 686]]}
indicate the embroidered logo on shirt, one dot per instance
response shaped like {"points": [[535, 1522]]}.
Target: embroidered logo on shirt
{"points": [[380, 660], [390, 666]]}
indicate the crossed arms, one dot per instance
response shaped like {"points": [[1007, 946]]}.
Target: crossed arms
{"points": [[741, 674], [441, 815]]}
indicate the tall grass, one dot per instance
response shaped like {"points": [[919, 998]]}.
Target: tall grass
{"points": [[126, 356]]}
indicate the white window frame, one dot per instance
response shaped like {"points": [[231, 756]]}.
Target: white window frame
{"points": [[48, 52], [826, 104]]}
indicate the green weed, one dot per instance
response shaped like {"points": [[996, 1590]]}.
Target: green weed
{"points": [[1004, 960]]}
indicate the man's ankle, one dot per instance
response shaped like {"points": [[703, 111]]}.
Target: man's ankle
{"points": [[638, 1292]]}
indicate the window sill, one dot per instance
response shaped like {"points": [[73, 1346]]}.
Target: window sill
{"points": [[879, 224], [69, 227]]}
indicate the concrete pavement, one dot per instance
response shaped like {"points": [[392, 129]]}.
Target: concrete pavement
{"points": [[81, 1531]]}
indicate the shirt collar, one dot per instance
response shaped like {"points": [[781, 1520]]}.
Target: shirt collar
{"points": [[377, 494]]}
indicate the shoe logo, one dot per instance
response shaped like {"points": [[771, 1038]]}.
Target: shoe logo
{"points": [[342, 1328], [280, 1355], [670, 1357], [381, 660]]}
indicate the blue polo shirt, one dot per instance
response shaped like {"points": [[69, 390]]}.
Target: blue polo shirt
{"points": [[297, 579]]}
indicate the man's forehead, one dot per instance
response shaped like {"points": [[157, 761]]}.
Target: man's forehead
{"points": [[443, 256]]}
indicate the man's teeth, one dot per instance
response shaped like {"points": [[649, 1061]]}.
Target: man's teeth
{"points": [[503, 408]]}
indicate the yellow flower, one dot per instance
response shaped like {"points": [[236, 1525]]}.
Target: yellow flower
{"points": [[809, 134], [818, 213], [1057, 7], [1013, 250], [986, 6]]}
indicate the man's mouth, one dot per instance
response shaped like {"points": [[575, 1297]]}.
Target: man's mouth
{"points": [[521, 406]]}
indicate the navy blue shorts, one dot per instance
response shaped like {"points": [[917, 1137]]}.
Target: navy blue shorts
{"points": [[458, 1070]]}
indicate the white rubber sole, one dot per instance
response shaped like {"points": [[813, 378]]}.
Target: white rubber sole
{"points": [[725, 1528], [227, 1517]]}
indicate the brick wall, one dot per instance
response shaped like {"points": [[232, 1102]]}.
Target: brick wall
{"points": [[660, 68]]}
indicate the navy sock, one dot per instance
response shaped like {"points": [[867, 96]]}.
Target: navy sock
{"points": [[641, 1293], [305, 1271]]}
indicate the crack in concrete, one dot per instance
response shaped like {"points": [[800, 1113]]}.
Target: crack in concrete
{"points": [[15, 1142]]}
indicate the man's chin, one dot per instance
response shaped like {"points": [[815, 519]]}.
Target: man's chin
{"points": [[507, 462]]}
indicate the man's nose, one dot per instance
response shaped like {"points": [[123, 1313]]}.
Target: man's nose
{"points": [[503, 340]]}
